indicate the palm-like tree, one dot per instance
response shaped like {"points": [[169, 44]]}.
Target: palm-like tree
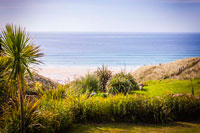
{"points": [[21, 52], [0, 44], [104, 74]]}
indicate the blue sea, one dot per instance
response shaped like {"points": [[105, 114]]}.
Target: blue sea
{"points": [[115, 49]]}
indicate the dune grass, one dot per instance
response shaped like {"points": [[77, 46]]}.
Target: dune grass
{"points": [[169, 86], [175, 127]]}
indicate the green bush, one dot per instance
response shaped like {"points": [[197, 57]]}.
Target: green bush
{"points": [[121, 83], [89, 84], [3, 79], [58, 93], [35, 119], [101, 95], [6, 90]]}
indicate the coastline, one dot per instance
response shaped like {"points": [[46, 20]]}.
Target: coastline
{"points": [[66, 74], [178, 69]]}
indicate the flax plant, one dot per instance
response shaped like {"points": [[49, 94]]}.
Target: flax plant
{"points": [[103, 74]]}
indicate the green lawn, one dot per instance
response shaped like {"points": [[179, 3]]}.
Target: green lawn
{"points": [[176, 127], [169, 86]]}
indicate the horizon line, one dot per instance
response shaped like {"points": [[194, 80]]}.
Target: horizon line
{"points": [[107, 32]]}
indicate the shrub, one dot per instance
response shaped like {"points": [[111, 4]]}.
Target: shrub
{"points": [[103, 75], [35, 119], [36, 90], [6, 90], [89, 84], [3, 77], [121, 83], [65, 110], [101, 95], [58, 93], [120, 108]]}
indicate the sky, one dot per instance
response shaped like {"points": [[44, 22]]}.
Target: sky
{"points": [[102, 15]]}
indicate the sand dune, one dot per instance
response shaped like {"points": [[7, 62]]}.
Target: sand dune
{"points": [[67, 74], [179, 69]]}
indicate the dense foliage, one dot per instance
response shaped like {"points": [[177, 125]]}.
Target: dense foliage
{"points": [[52, 112], [3, 86], [36, 120], [88, 84], [121, 83]]}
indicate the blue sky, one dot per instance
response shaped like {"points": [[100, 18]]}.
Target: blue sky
{"points": [[102, 15]]}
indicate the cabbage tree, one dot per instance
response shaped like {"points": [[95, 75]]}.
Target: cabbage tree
{"points": [[21, 53]]}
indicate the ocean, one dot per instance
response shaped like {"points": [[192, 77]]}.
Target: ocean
{"points": [[115, 49]]}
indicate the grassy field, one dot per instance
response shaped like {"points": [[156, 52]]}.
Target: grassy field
{"points": [[176, 127], [169, 86]]}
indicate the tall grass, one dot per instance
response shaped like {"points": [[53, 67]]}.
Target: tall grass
{"points": [[53, 113], [57, 94], [36, 120], [124, 108], [120, 108]]}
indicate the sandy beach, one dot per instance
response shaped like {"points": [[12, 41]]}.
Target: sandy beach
{"points": [[69, 73]]}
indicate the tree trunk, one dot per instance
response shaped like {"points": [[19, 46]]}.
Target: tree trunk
{"points": [[0, 44], [192, 87], [22, 129]]}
